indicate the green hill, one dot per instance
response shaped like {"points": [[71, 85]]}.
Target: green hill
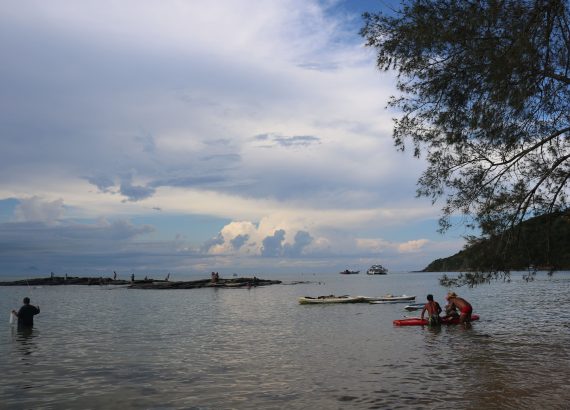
{"points": [[542, 242]]}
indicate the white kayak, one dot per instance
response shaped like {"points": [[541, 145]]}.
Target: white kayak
{"points": [[414, 306], [309, 300], [389, 299]]}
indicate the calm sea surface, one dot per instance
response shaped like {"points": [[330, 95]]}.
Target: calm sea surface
{"points": [[114, 348]]}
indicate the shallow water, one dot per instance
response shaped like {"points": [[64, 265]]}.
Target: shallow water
{"points": [[114, 348]]}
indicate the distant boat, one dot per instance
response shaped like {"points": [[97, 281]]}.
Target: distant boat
{"points": [[308, 300], [389, 299], [350, 272], [414, 306], [377, 270]]}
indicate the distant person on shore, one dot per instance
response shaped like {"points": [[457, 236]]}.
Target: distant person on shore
{"points": [[464, 307], [132, 277], [114, 275], [26, 314], [433, 309]]}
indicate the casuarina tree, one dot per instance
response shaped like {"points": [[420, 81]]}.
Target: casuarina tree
{"points": [[484, 94]]}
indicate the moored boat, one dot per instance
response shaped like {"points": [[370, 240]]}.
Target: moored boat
{"points": [[414, 306], [377, 270], [389, 299], [349, 272], [309, 300]]}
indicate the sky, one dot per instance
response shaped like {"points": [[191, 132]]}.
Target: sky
{"points": [[239, 136]]}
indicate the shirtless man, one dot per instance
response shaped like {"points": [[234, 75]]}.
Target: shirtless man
{"points": [[433, 309], [465, 308]]}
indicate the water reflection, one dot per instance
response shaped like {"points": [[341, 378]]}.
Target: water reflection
{"points": [[261, 349], [25, 338]]}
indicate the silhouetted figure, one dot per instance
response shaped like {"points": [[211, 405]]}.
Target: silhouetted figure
{"points": [[26, 314]]}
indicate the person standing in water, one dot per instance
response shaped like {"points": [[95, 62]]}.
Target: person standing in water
{"points": [[26, 314], [465, 308], [433, 309]]}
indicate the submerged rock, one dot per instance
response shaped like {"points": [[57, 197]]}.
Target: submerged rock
{"points": [[145, 283], [205, 283]]}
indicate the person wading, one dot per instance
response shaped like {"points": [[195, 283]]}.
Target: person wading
{"points": [[433, 309], [465, 308], [26, 314]]}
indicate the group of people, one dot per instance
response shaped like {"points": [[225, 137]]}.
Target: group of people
{"points": [[456, 308]]}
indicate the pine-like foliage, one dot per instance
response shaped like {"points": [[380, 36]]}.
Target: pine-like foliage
{"points": [[485, 96]]}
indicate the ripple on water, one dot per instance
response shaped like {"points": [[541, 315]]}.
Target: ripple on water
{"points": [[261, 349]]}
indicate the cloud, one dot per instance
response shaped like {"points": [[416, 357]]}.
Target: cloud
{"points": [[302, 240], [272, 245], [239, 241], [157, 109], [284, 141], [136, 192], [36, 209], [413, 246]]}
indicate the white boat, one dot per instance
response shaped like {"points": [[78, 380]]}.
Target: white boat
{"points": [[389, 299], [309, 300], [414, 306], [377, 270]]}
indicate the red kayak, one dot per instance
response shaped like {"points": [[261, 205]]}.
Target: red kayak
{"points": [[416, 321]]}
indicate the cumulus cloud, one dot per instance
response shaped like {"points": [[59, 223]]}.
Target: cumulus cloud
{"points": [[273, 245], [239, 241], [302, 240]]}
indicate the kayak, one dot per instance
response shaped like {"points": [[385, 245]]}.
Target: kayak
{"points": [[308, 300], [414, 306], [389, 299], [416, 321]]}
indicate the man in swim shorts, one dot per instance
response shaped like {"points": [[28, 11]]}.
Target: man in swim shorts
{"points": [[464, 307], [433, 309]]}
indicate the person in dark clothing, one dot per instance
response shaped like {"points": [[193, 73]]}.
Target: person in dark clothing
{"points": [[26, 314]]}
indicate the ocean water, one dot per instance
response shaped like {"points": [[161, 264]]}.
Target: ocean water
{"points": [[115, 348]]}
